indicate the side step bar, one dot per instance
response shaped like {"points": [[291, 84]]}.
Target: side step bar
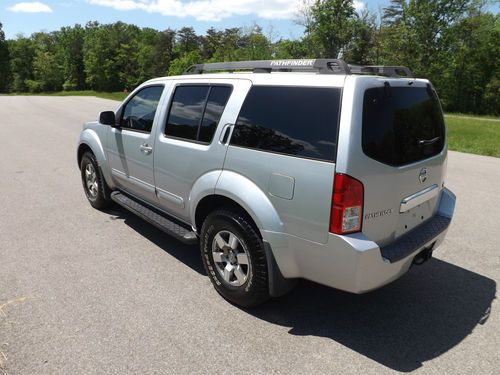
{"points": [[156, 218]]}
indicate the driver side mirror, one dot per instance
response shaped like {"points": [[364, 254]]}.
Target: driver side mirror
{"points": [[108, 118]]}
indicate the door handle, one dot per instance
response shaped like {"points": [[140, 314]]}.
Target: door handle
{"points": [[146, 148], [226, 133]]}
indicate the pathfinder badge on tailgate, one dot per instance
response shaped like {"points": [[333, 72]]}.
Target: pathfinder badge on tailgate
{"points": [[378, 214]]}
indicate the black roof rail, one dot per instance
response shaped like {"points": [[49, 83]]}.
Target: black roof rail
{"points": [[322, 66], [383, 70]]}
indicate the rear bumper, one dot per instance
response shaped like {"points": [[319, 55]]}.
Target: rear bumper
{"points": [[354, 263]]}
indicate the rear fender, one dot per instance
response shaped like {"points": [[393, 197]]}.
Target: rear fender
{"points": [[248, 195]]}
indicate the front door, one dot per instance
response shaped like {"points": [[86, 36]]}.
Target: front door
{"points": [[131, 147]]}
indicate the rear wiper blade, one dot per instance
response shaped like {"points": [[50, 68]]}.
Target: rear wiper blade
{"points": [[425, 142]]}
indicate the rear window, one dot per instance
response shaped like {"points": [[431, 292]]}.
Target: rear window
{"points": [[195, 112], [297, 121], [402, 125]]}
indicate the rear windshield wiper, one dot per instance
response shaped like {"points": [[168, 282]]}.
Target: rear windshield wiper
{"points": [[425, 142]]}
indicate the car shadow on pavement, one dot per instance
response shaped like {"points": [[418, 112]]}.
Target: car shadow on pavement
{"points": [[415, 319], [187, 254]]}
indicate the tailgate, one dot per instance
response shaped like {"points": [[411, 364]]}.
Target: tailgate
{"points": [[403, 157]]}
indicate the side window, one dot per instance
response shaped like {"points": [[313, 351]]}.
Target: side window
{"points": [[195, 112], [219, 95], [299, 121], [140, 111]]}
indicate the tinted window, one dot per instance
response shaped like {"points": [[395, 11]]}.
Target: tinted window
{"points": [[217, 100], [195, 112], [300, 121], [186, 111], [140, 111], [402, 125]]}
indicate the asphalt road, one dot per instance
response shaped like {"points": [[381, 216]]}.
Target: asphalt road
{"points": [[90, 292]]}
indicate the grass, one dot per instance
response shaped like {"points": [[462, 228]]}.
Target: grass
{"points": [[475, 135]]}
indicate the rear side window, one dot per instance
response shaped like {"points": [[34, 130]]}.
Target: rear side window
{"points": [[195, 112], [217, 100], [402, 125], [298, 121]]}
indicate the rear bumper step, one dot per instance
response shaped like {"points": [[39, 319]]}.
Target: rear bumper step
{"points": [[154, 217], [418, 237]]}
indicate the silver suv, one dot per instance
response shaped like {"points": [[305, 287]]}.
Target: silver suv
{"points": [[281, 170]]}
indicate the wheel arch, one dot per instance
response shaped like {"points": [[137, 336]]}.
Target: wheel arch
{"points": [[82, 149], [213, 202], [239, 192], [90, 141]]}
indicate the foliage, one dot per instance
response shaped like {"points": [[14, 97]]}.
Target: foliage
{"points": [[4, 62], [332, 25], [454, 43]]}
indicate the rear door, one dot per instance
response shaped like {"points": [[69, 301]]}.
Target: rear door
{"points": [[397, 150], [189, 144]]}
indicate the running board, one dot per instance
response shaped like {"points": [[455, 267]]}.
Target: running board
{"points": [[154, 217]]}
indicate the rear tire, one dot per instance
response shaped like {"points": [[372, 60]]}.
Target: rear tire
{"points": [[94, 185], [234, 258]]}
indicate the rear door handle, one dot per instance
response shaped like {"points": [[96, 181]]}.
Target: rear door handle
{"points": [[224, 138], [146, 148]]}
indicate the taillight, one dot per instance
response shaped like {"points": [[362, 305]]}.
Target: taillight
{"points": [[347, 205]]}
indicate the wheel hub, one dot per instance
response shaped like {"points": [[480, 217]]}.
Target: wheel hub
{"points": [[91, 180], [231, 258]]}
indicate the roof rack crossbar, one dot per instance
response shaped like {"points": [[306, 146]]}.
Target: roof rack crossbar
{"points": [[322, 66]]}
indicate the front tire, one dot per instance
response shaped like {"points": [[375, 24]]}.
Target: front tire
{"points": [[234, 258], [94, 185]]}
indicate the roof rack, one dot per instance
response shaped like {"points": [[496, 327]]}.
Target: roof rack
{"points": [[321, 66], [383, 70]]}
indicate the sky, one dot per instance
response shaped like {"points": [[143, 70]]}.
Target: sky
{"points": [[277, 17]]}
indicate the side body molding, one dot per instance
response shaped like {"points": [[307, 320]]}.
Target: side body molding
{"points": [[248, 195], [92, 139]]}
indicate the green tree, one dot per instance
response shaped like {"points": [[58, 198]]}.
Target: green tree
{"points": [[414, 33], [70, 54], [227, 50], [361, 47], [4, 62], [291, 49], [22, 52], [186, 41], [110, 56], [331, 25], [47, 74], [211, 42], [154, 53], [180, 64], [47, 69], [448, 41], [472, 81], [254, 45]]}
